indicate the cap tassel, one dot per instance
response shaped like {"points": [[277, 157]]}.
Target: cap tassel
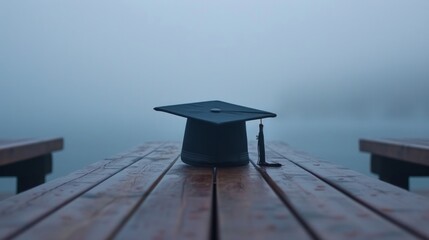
{"points": [[261, 149]]}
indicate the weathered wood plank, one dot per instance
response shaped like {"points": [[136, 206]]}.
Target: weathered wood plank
{"points": [[249, 209], [405, 209], [328, 212], [16, 150], [99, 212], [138, 151], [180, 207], [410, 150], [21, 211], [417, 141]]}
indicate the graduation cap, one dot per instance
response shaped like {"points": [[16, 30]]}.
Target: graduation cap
{"points": [[215, 133]]}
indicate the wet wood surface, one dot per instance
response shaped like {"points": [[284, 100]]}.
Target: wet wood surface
{"points": [[247, 208], [148, 193]]}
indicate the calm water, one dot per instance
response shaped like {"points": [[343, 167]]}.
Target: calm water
{"points": [[333, 140]]}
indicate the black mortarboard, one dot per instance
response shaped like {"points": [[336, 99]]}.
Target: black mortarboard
{"points": [[215, 133]]}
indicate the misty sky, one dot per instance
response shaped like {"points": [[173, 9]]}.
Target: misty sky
{"points": [[334, 71], [79, 61]]}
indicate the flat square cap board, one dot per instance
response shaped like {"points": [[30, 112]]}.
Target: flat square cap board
{"points": [[215, 133]]}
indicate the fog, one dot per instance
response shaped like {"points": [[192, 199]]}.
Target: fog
{"points": [[92, 71]]}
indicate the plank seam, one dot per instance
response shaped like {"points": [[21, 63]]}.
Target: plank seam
{"points": [[142, 199], [214, 218], [286, 202], [351, 196], [53, 210]]}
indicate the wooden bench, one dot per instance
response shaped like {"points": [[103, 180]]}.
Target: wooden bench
{"points": [[148, 193], [395, 160], [28, 159]]}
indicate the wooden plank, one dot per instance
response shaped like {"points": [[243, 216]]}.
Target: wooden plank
{"points": [[405, 209], [138, 151], [13, 151], [407, 150], [180, 207], [249, 209], [329, 213], [99, 212], [416, 141], [22, 211]]}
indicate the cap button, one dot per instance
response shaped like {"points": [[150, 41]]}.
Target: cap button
{"points": [[215, 110]]}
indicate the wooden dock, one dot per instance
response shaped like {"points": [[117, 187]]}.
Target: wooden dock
{"points": [[148, 193], [29, 160], [396, 160]]}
